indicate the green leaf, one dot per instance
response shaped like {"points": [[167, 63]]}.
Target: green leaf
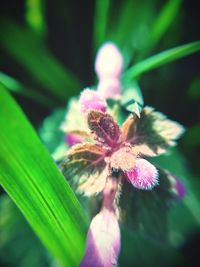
{"points": [[33, 181], [17, 239], [161, 59], [152, 131], [147, 211], [28, 50], [162, 22], [100, 22], [14, 86], [35, 15], [85, 167]]}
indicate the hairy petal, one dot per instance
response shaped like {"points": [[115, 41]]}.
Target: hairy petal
{"points": [[90, 99], [144, 175], [153, 130], [84, 166], [109, 62], [105, 129]]}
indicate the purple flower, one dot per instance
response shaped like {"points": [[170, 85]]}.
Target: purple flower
{"points": [[144, 175], [103, 241], [180, 188], [90, 99], [109, 62], [103, 238], [73, 139]]}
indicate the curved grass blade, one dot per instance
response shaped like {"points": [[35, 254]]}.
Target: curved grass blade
{"points": [[161, 59], [33, 181], [100, 22], [163, 21], [35, 16], [27, 49], [14, 86]]}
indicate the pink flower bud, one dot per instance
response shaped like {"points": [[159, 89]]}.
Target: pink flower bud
{"points": [[103, 241], [180, 188], [144, 175], [90, 99], [109, 62], [109, 88], [73, 139]]}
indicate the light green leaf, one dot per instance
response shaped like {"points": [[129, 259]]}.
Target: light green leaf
{"points": [[33, 181], [35, 15], [163, 21], [27, 49], [161, 59], [14, 86], [100, 22]]}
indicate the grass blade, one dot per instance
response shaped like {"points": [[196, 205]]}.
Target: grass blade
{"points": [[161, 59], [28, 50], [162, 22], [100, 22], [33, 181], [14, 86]]}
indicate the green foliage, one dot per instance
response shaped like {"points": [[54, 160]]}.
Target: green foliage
{"points": [[85, 167], [161, 59], [152, 132], [17, 239], [14, 86], [149, 209], [33, 181], [29, 51], [100, 22]]}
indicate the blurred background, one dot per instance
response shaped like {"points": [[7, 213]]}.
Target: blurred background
{"points": [[47, 55]]}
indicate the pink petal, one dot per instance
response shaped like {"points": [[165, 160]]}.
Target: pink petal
{"points": [[109, 88], [72, 139], [144, 175], [103, 241], [90, 99], [180, 188], [109, 62]]}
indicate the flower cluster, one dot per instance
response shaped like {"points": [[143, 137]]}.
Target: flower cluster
{"points": [[114, 161]]}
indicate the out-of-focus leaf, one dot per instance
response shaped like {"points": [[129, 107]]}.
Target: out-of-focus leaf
{"points": [[74, 121], [17, 239], [152, 129], [100, 22], [85, 167], [35, 15], [122, 159], [132, 93], [50, 131], [161, 59], [103, 126], [130, 26], [176, 164], [16, 87], [33, 181], [27, 49], [147, 211], [194, 89], [162, 22]]}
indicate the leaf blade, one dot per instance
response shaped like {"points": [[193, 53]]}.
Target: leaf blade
{"points": [[161, 59], [30, 177]]}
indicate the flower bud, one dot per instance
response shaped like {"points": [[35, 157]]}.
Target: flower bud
{"points": [[109, 62], [73, 139], [90, 99], [109, 88], [103, 241], [144, 175]]}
